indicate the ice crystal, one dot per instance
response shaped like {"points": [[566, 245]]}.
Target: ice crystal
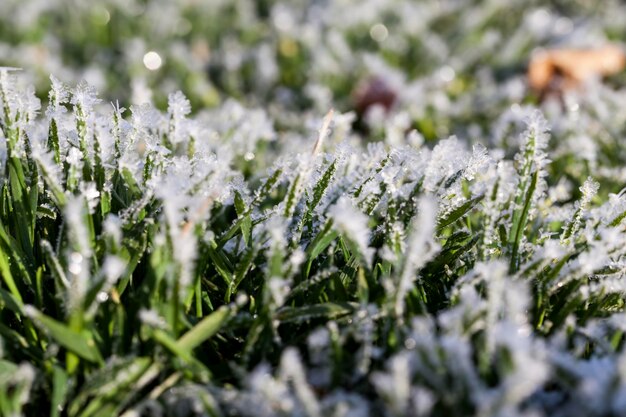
{"points": [[348, 220]]}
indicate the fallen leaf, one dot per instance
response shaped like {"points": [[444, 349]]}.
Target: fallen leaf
{"points": [[568, 68], [373, 91]]}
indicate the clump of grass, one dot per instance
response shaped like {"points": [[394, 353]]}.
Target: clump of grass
{"points": [[145, 270]]}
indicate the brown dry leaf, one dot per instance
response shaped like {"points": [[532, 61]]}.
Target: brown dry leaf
{"points": [[573, 66], [373, 91]]}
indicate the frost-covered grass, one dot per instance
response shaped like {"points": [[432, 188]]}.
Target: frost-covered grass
{"points": [[153, 262], [269, 257]]}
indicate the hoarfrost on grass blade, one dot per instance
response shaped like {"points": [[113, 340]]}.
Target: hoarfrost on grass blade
{"points": [[291, 369], [420, 248], [84, 97], [152, 318], [354, 224]]}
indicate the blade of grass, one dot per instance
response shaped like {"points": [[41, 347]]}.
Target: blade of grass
{"points": [[82, 344], [205, 329]]}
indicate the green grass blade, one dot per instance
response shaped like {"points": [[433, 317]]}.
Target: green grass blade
{"points": [[81, 344], [59, 391], [519, 224], [329, 311], [205, 329], [7, 300], [244, 216], [458, 213], [319, 244]]}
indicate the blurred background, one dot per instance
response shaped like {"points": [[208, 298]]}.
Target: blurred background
{"points": [[296, 54], [398, 71]]}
